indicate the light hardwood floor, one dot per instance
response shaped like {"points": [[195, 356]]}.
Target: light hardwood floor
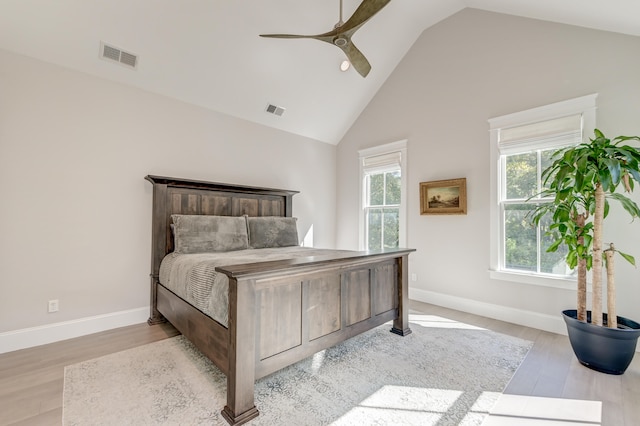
{"points": [[31, 380]]}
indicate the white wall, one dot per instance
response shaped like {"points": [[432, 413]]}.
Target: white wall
{"points": [[75, 210], [463, 71]]}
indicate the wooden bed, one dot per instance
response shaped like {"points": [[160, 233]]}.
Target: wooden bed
{"points": [[280, 312]]}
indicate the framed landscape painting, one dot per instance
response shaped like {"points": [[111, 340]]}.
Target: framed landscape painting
{"points": [[444, 196]]}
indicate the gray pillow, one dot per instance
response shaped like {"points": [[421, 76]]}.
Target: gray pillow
{"points": [[202, 234], [272, 231]]}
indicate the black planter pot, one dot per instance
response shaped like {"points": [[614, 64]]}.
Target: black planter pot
{"points": [[608, 350]]}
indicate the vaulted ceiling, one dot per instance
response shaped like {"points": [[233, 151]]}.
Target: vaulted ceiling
{"points": [[209, 53]]}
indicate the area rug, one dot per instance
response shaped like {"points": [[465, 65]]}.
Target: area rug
{"points": [[444, 373]]}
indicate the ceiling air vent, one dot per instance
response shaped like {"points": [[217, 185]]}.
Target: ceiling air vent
{"points": [[273, 109], [114, 54]]}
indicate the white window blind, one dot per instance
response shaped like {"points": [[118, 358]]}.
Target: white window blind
{"points": [[382, 163], [548, 134]]}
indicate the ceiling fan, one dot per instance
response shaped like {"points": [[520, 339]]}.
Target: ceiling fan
{"points": [[341, 34]]}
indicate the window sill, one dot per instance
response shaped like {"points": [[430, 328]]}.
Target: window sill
{"points": [[563, 283]]}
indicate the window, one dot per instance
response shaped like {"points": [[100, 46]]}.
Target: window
{"points": [[522, 146], [382, 210], [382, 219]]}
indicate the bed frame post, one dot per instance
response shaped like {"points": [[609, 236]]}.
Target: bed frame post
{"points": [[241, 375], [158, 243], [401, 323]]}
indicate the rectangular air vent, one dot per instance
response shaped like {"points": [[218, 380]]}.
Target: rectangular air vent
{"points": [[115, 54], [273, 109]]}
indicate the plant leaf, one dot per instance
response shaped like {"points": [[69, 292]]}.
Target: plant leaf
{"points": [[614, 171], [628, 257], [554, 247], [628, 204]]}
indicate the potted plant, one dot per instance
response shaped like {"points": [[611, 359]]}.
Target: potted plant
{"points": [[582, 179]]}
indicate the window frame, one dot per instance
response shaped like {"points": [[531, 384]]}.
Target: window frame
{"points": [[390, 148], [584, 106], [368, 206]]}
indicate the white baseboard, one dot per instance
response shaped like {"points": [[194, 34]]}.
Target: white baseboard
{"points": [[36, 336], [551, 323]]}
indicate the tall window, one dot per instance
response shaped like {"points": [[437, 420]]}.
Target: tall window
{"points": [[382, 209], [383, 196], [523, 144]]}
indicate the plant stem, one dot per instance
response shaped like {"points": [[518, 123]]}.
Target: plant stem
{"points": [[612, 315], [598, 219], [582, 272]]}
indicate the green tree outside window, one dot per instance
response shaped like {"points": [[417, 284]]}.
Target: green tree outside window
{"points": [[382, 210], [525, 245]]}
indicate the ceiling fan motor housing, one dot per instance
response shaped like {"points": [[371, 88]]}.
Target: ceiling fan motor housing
{"points": [[340, 41]]}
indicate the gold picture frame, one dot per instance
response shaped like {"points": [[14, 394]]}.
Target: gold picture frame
{"points": [[444, 196]]}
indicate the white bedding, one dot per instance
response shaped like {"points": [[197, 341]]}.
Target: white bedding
{"points": [[193, 277]]}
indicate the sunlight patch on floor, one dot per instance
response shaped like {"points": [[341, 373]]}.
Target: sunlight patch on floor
{"points": [[392, 405], [480, 408], [402, 405], [519, 410], [411, 398], [435, 321]]}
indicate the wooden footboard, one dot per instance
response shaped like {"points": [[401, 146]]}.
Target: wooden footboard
{"points": [[284, 311]]}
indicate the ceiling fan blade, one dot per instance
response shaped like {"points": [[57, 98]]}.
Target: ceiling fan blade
{"points": [[322, 37], [285, 36], [364, 12], [357, 59]]}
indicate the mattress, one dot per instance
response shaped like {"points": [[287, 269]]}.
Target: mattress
{"points": [[193, 277]]}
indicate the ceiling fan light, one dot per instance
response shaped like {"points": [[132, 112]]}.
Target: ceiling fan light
{"points": [[345, 65]]}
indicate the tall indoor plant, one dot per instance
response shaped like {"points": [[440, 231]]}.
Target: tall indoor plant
{"points": [[582, 180]]}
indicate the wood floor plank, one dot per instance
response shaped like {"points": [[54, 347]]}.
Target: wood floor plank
{"points": [[52, 417], [41, 399], [554, 374]]}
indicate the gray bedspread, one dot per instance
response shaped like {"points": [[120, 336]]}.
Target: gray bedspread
{"points": [[194, 279]]}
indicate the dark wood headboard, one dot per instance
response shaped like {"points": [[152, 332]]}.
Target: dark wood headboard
{"points": [[183, 196]]}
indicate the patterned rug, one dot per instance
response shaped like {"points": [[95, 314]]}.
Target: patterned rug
{"points": [[444, 373]]}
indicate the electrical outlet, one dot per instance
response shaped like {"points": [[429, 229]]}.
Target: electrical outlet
{"points": [[414, 277], [54, 305]]}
